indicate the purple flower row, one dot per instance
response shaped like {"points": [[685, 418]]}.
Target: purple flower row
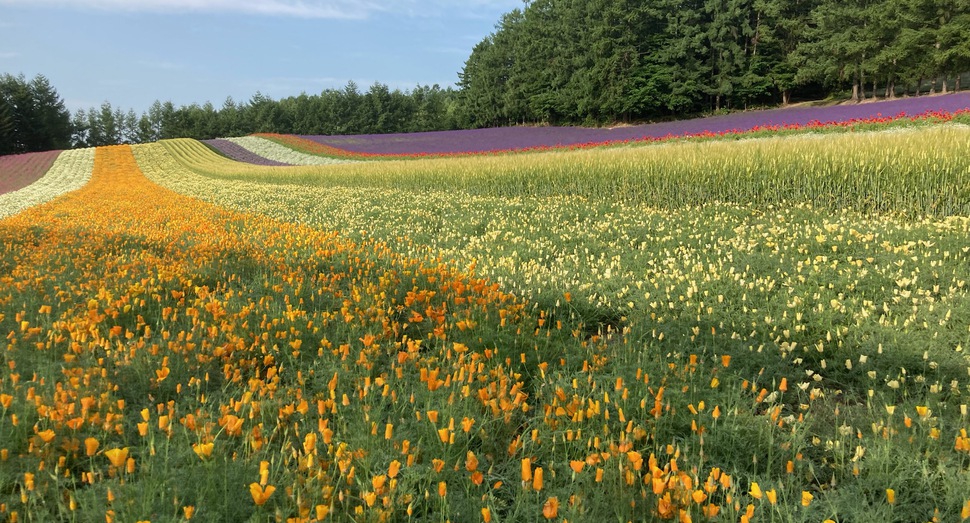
{"points": [[240, 153], [510, 138], [20, 170]]}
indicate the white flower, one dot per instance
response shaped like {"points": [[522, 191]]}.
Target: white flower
{"points": [[70, 171], [280, 153]]}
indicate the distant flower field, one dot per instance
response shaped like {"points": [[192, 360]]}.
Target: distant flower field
{"points": [[43, 177], [772, 329], [21, 170], [232, 149], [501, 139]]}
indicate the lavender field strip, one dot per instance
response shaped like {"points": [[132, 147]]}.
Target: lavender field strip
{"points": [[278, 153], [19, 170], [512, 138], [239, 153], [69, 172]]}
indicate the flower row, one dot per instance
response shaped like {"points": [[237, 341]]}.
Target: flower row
{"points": [[275, 152], [527, 137], [18, 171], [482, 142], [69, 172]]}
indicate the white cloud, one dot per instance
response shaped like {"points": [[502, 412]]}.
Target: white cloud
{"points": [[290, 8], [338, 9], [6, 55]]}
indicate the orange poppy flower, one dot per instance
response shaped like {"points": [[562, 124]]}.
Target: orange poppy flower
{"points": [[550, 509], [772, 496], [526, 469], [755, 490], [393, 469], [117, 457], [203, 450], [90, 446], [807, 498], [378, 482], [471, 461], [261, 494]]}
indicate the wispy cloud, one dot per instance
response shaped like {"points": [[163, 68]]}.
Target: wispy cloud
{"points": [[6, 55], [340, 9], [334, 9], [471, 9]]}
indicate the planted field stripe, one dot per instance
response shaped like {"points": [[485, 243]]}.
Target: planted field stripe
{"points": [[239, 153], [525, 137], [161, 307], [69, 171], [281, 153], [923, 171], [20, 170]]}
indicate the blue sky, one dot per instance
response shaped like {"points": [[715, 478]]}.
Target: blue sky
{"points": [[132, 52]]}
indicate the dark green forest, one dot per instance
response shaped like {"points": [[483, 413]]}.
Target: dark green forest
{"points": [[334, 111], [601, 61], [32, 116], [590, 62]]}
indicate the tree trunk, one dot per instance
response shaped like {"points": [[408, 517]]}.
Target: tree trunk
{"points": [[875, 87], [855, 90], [944, 85], [785, 97], [956, 85], [919, 85]]}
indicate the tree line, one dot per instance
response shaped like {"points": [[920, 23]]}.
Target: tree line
{"points": [[600, 61], [574, 62], [332, 112], [33, 116]]}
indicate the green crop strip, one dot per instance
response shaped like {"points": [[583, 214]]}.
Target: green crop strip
{"points": [[923, 171]]}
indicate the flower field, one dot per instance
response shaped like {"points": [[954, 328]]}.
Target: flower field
{"points": [[231, 149], [771, 329], [269, 152], [876, 171], [483, 140], [61, 173], [21, 170]]}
